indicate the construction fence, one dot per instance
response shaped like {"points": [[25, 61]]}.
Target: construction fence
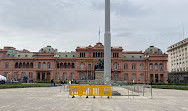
{"points": [[90, 90]]}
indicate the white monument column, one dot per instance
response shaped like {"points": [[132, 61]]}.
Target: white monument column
{"points": [[107, 45]]}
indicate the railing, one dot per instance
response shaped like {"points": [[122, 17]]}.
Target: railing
{"points": [[139, 89]]}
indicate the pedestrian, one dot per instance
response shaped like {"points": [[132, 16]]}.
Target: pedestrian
{"points": [[52, 82]]}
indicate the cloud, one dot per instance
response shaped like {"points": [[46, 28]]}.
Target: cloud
{"points": [[66, 24]]}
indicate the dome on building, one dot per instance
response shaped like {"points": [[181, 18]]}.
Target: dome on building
{"points": [[47, 49], [153, 50]]}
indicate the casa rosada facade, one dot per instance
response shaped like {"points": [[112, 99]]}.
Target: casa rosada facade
{"points": [[48, 63]]}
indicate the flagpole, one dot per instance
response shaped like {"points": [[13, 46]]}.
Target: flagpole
{"points": [[99, 34]]}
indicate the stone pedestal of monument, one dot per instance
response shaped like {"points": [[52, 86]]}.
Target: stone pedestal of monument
{"points": [[99, 77]]}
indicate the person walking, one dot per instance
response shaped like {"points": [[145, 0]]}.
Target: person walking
{"points": [[52, 82]]}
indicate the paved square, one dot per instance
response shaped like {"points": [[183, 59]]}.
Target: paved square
{"points": [[48, 99]]}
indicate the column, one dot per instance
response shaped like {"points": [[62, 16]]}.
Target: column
{"points": [[107, 45]]}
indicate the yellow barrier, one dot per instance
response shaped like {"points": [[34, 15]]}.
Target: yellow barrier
{"points": [[87, 90]]}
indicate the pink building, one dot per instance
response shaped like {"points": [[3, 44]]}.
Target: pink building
{"points": [[48, 63]]}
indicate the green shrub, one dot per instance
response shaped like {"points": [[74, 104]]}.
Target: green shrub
{"points": [[43, 82]]}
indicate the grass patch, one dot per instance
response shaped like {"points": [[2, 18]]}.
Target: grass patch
{"points": [[184, 84], [6, 86], [171, 87]]}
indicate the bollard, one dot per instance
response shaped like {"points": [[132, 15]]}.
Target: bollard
{"points": [[143, 90], [128, 93], [151, 92]]}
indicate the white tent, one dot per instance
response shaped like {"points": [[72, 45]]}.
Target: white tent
{"points": [[2, 78]]}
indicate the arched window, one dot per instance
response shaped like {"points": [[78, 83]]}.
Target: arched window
{"points": [[161, 66], [44, 65], [115, 66], [27, 65], [156, 66], [39, 65], [31, 65], [58, 65], [126, 66], [150, 66], [16, 65], [82, 66], [142, 66], [73, 66], [49, 65], [7, 65], [24, 65], [20, 65], [133, 66]]}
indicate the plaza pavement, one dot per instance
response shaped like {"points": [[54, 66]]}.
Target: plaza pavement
{"points": [[51, 99]]}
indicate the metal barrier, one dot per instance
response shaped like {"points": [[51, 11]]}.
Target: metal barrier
{"points": [[141, 90], [87, 90]]}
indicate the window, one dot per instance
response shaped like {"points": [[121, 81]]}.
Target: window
{"points": [[7, 65], [58, 65], [73, 65], [141, 77], [134, 77], [44, 65], [27, 65], [151, 67], [93, 54], [82, 66], [82, 76], [161, 67], [156, 66], [126, 77], [25, 55], [82, 55], [71, 76], [133, 66], [16, 65], [30, 75], [18, 55], [115, 55], [15, 75], [58, 76], [115, 66], [65, 76], [49, 65], [141, 66], [89, 66], [126, 66], [39, 65], [115, 76]]}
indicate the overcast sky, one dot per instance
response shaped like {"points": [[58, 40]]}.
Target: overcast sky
{"points": [[66, 24]]}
